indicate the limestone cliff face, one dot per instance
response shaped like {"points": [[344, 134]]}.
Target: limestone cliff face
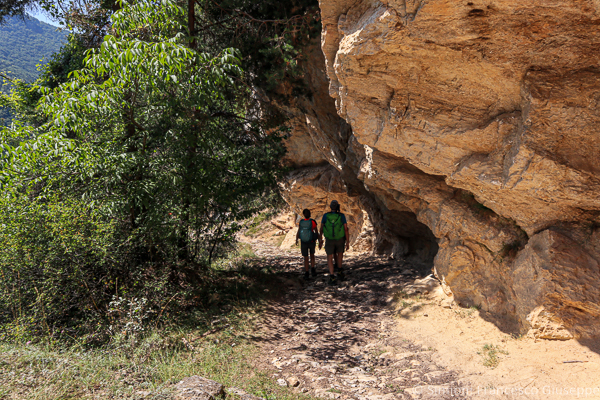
{"points": [[473, 126], [327, 161]]}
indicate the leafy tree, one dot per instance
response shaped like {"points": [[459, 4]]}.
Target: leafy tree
{"points": [[269, 34], [131, 164], [158, 140]]}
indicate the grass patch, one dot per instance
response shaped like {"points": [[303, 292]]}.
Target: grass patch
{"points": [[242, 254], [215, 339], [398, 296], [490, 352], [376, 352], [406, 304], [244, 251], [148, 371], [405, 300], [279, 240]]}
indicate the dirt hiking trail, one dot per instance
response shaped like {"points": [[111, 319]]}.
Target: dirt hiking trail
{"points": [[367, 339]]}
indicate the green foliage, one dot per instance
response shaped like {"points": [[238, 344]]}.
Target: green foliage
{"points": [[5, 115], [217, 342], [55, 261], [26, 45], [20, 105], [150, 371], [490, 353], [270, 35], [69, 58], [157, 146]]}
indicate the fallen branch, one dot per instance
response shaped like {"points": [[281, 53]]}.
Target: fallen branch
{"points": [[280, 226]]}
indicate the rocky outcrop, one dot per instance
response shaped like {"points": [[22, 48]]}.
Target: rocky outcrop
{"points": [[472, 126], [326, 163]]}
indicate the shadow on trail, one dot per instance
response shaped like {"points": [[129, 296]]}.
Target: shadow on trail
{"points": [[329, 322], [338, 341]]}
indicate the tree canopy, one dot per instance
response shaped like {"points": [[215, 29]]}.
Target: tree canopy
{"points": [[134, 172]]}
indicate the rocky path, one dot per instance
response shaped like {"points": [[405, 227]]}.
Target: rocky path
{"points": [[336, 342]]}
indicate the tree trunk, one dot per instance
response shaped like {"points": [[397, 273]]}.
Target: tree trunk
{"points": [[192, 22]]}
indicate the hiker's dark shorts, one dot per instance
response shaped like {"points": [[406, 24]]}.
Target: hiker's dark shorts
{"points": [[304, 247], [334, 246]]}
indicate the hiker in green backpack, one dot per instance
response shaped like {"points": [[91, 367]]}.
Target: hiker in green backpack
{"points": [[308, 235], [335, 229]]}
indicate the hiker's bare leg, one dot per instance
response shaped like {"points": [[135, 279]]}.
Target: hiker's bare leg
{"points": [[330, 264], [312, 260], [306, 263], [340, 257]]}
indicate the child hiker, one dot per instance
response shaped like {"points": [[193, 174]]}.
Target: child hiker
{"points": [[308, 235]]}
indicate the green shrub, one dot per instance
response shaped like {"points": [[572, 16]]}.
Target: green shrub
{"points": [[55, 263], [69, 272]]}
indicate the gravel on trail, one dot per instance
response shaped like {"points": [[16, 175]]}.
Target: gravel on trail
{"points": [[337, 341]]}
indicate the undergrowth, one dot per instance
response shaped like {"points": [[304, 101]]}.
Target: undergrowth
{"points": [[215, 339], [148, 370]]}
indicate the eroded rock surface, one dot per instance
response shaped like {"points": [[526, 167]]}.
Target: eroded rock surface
{"points": [[470, 130]]}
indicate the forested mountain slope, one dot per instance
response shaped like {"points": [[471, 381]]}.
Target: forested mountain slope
{"points": [[23, 43]]}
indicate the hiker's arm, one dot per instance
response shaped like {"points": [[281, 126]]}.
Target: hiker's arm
{"points": [[297, 235], [320, 239], [321, 236], [347, 237]]}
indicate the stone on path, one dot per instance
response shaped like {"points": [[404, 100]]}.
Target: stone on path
{"points": [[199, 388], [340, 343], [293, 381], [281, 382]]}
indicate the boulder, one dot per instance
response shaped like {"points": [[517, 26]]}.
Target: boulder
{"points": [[199, 388]]}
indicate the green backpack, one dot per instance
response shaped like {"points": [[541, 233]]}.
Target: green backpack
{"points": [[333, 228], [306, 230]]}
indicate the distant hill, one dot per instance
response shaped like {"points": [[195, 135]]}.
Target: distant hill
{"points": [[23, 43]]}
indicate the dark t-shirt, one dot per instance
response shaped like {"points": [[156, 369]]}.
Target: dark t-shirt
{"points": [[325, 218]]}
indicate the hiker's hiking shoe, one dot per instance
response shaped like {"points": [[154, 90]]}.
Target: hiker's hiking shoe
{"points": [[306, 276], [333, 280], [313, 272], [340, 274]]}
